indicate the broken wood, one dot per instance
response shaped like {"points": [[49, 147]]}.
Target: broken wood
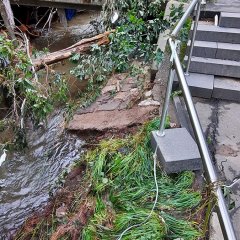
{"points": [[7, 16], [80, 47]]}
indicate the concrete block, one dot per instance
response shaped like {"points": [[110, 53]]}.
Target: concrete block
{"points": [[226, 88], [229, 20], [204, 49], [200, 85], [213, 33], [228, 51], [176, 151], [218, 67]]}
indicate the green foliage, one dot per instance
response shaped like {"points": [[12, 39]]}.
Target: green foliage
{"points": [[17, 77], [135, 38]]}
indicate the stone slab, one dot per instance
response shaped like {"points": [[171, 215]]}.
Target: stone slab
{"points": [[212, 33], [228, 51], [111, 105], [176, 151], [105, 120], [204, 49], [230, 20], [226, 88], [218, 67], [200, 85], [218, 6]]}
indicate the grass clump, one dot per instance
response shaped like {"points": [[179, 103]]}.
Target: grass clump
{"points": [[123, 178]]}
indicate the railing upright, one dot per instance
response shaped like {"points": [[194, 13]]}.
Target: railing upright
{"points": [[193, 37]]}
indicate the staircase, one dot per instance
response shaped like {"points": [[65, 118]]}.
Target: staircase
{"points": [[215, 64]]}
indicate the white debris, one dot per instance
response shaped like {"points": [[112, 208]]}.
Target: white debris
{"points": [[149, 102], [3, 157], [148, 94]]}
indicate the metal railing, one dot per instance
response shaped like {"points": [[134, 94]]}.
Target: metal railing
{"points": [[223, 215]]}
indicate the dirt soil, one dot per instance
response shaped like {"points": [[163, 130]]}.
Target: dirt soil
{"points": [[71, 203]]}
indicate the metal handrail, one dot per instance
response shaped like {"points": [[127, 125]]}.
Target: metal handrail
{"points": [[225, 221]]}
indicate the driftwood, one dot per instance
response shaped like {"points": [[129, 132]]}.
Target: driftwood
{"points": [[82, 46]]}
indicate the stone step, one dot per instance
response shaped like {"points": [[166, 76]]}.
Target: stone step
{"points": [[219, 6], [229, 20], [218, 67], [218, 50], [226, 88], [209, 86], [213, 33], [200, 85]]}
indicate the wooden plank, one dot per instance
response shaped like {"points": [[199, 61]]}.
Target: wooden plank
{"points": [[76, 4]]}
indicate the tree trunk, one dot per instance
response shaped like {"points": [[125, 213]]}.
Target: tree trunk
{"points": [[7, 15], [79, 47]]}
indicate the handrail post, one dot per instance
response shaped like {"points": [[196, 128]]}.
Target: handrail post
{"points": [[161, 132], [193, 37]]}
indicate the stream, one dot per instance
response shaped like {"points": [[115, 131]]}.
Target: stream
{"points": [[27, 177]]}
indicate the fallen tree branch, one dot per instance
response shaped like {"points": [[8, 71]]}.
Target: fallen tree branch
{"points": [[82, 46]]}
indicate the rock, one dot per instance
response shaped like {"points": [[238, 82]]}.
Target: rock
{"points": [[149, 102], [110, 88], [134, 92], [123, 96], [127, 87], [173, 125], [89, 109], [148, 94], [110, 105], [105, 120], [61, 212]]}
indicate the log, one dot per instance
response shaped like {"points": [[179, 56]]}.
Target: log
{"points": [[80, 47]]}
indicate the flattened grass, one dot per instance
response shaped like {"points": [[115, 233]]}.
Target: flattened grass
{"points": [[123, 178]]}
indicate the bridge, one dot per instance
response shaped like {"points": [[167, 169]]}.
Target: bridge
{"points": [[75, 4]]}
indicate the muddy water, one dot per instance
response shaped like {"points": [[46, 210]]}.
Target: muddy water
{"points": [[57, 37], [27, 177]]}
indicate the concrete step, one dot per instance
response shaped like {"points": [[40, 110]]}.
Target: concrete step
{"points": [[209, 86], [226, 88], [218, 67], [213, 33], [200, 85], [218, 50], [229, 20]]}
